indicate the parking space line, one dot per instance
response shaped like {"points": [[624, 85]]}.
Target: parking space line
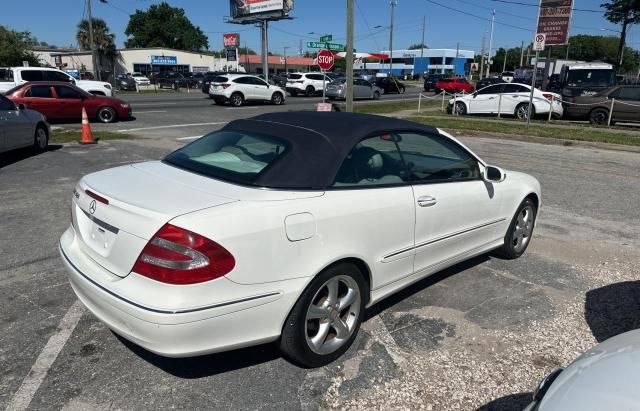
{"points": [[22, 398], [153, 104], [172, 126]]}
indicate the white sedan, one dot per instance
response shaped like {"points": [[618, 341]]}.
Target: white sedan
{"points": [[284, 227], [140, 79], [509, 99], [21, 128]]}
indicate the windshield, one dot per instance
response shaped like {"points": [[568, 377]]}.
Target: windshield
{"points": [[295, 76], [591, 78], [233, 156]]}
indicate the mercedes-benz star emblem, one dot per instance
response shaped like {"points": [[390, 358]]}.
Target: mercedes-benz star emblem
{"points": [[92, 206]]}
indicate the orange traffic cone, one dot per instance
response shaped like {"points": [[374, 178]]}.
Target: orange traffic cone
{"points": [[87, 136]]}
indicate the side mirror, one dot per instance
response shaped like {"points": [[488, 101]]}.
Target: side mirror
{"points": [[21, 106], [493, 174]]}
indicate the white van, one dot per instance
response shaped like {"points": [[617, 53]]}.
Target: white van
{"points": [[14, 76]]}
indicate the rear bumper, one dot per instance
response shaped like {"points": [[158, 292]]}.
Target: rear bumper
{"points": [[221, 326]]}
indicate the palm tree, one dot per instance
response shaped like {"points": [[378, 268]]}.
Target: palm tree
{"points": [[625, 12], [103, 40]]}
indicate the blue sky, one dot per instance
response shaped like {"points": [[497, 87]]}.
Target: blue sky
{"points": [[55, 21]]}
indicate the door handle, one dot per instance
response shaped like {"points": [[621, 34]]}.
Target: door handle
{"points": [[427, 201]]}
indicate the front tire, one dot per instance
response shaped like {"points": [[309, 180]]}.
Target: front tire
{"points": [[106, 115], [325, 321], [40, 139], [520, 231], [277, 99]]}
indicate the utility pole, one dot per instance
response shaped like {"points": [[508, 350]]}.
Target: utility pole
{"points": [[493, 25], [455, 61], [504, 63], [349, 56], [528, 55], [96, 71], [424, 23], [285, 58], [246, 58], [521, 52], [265, 49], [394, 3], [484, 39]]}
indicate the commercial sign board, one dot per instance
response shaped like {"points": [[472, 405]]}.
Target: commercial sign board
{"points": [[232, 55], [553, 21], [170, 60], [244, 8], [231, 40]]}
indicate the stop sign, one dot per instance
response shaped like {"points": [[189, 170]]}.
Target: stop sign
{"points": [[325, 59]]}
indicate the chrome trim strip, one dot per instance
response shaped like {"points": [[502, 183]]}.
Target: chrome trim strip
{"points": [[155, 310], [101, 223], [444, 237]]}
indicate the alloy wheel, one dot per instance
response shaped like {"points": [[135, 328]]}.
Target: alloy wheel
{"points": [[522, 229], [333, 315]]}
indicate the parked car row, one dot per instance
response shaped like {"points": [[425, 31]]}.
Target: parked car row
{"points": [[15, 76]]}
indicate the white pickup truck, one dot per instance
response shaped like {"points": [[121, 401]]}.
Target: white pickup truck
{"points": [[14, 76]]}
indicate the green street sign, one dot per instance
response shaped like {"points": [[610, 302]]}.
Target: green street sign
{"points": [[315, 45], [327, 38], [335, 46], [322, 45]]}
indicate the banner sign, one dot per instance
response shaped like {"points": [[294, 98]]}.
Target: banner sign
{"points": [[231, 40], [553, 21], [172, 60], [231, 55], [242, 8]]}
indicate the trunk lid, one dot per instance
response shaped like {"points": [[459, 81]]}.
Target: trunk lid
{"points": [[139, 204]]}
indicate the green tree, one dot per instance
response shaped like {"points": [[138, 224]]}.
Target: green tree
{"points": [[103, 40], [598, 48], [418, 46], [164, 26], [14, 48], [625, 13]]}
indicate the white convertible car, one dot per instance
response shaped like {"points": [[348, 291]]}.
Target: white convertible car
{"points": [[284, 227], [511, 99]]}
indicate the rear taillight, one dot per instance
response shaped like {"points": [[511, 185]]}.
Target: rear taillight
{"points": [[300, 81], [226, 85], [178, 256], [548, 96], [96, 197]]}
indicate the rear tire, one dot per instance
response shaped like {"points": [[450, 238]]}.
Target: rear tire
{"points": [[522, 110], [376, 95], [40, 139], [326, 318], [236, 99], [520, 230], [599, 117]]}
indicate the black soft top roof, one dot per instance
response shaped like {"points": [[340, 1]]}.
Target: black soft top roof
{"points": [[318, 143]]}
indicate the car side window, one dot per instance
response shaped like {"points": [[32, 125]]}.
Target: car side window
{"points": [[32, 75], [495, 89], [39, 92], [433, 158], [374, 161], [629, 93], [243, 80], [258, 81], [56, 76], [67, 92], [6, 104]]}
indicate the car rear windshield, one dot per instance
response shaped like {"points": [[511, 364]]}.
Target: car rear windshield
{"points": [[220, 79], [234, 156], [295, 76]]}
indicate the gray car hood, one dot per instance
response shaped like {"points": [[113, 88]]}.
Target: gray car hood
{"points": [[607, 377]]}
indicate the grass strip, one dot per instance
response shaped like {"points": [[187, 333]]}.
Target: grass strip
{"points": [[392, 107], [518, 128], [69, 136]]}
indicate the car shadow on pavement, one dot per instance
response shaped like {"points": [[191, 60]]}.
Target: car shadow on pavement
{"points": [[12, 157], [206, 365], [613, 309], [424, 283], [511, 402]]}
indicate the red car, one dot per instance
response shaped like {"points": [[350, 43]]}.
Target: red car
{"points": [[63, 101], [454, 85]]}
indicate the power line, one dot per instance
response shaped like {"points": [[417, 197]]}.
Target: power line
{"points": [[476, 16], [519, 3], [366, 23], [497, 11]]}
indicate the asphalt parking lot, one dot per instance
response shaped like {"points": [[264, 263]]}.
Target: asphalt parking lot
{"points": [[478, 335]]}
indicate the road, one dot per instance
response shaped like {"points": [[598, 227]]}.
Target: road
{"points": [[478, 335], [182, 115]]}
